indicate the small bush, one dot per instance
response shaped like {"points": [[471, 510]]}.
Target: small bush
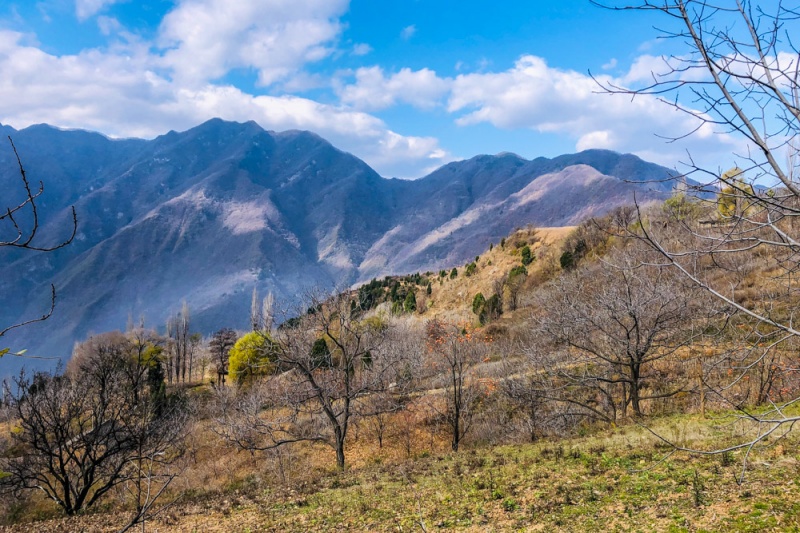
{"points": [[510, 505], [527, 258], [477, 303]]}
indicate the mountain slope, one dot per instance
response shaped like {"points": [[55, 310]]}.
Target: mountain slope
{"points": [[207, 214]]}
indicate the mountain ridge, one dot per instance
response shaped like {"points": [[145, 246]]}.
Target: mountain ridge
{"points": [[207, 214]]}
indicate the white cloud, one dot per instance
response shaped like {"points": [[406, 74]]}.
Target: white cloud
{"points": [[42, 9], [205, 39], [372, 90], [109, 25], [139, 88], [408, 32], [303, 81], [366, 136], [85, 9], [123, 92], [535, 96], [361, 49], [612, 63], [647, 69], [595, 139]]}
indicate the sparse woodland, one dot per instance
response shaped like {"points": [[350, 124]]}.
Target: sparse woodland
{"points": [[642, 366]]}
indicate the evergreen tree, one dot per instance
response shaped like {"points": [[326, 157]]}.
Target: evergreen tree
{"points": [[321, 354], [567, 260], [156, 385], [410, 303], [527, 258], [478, 303]]}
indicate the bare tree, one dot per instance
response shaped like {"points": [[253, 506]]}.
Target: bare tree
{"points": [[195, 344], [498, 286], [405, 344], [455, 351], [262, 316], [179, 346], [220, 346], [95, 428], [622, 325], [170, 349], [202, 354], [255, 315], [160, 458], [19, 227], [513, 286], [132, 354], [311, 398], [521, 388], [741, 68], [267, 312], [182, 338], [378, 412]]}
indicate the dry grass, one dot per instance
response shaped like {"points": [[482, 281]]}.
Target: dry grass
{"points": [[451, 299], [617, 479]]}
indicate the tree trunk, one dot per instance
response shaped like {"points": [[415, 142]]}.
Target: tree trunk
{"points": [[339, 453], [191, 361], [456, 427], [635, 369]]}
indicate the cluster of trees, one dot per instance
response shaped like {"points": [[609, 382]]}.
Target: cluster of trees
{"points": [[740, 66], [455, 351], [488, 309], [181, 347], [627, 335], [614, 335], [315, 379], [401, 293], [335, 370], [107, 423]]}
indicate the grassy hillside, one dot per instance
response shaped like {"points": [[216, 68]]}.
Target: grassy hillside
{"points": [[452, 298], [620, 479]]}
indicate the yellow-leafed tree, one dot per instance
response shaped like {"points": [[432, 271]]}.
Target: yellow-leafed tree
{"points": [[252, 355]]}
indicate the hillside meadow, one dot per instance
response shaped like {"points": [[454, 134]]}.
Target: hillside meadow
{"points": [[617, 479]]}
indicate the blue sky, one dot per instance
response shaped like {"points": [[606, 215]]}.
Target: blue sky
{"points": [[406, 85]]}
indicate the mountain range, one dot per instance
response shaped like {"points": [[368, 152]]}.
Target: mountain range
{"points": [[206, 215]]}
